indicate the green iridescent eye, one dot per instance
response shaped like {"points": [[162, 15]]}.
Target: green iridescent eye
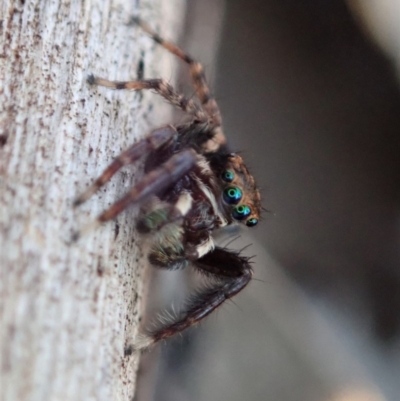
{"points": [[232, 195], [228, 176], [251, 222], [241, 212]]}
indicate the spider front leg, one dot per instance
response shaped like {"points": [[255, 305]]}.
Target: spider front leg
{"points": [[153, 183], [160, 86], [231, 273], [155, 140], [196, 72], [199, 82]]}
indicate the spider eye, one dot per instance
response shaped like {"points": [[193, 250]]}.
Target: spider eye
{"points": [[228, 176], [251, 222], [241, 212], [232, 195]]}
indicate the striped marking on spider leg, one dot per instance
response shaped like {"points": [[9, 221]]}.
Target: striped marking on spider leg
{"points": [[160, 86], [158, 39], [203, 92], [197, 75], [156, 139], [209, 104]]}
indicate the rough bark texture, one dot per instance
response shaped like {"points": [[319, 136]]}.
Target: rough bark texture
{"points": [[68, 309]]}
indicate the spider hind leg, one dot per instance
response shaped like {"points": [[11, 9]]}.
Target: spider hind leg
{"points": [[230, 273]]}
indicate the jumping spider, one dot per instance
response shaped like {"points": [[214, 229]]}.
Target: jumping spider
{"points": [[192, 186]]}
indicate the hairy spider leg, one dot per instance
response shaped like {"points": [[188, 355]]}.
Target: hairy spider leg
{"points": [[157, 138], [160, 86], [232, 273], [151, 184], [198, 79]]}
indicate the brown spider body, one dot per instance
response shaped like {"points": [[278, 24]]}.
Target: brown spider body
{"points": [[191, 187]]}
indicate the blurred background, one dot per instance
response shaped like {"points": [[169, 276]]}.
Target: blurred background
{"points": [[309, 93]]}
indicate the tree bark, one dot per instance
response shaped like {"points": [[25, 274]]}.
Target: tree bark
{"points": [[68, 309]]}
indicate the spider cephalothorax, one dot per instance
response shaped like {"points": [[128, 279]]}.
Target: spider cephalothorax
{"points": [[240, 196], [191, 187]]}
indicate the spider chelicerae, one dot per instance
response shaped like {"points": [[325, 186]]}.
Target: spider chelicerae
{"points": [[191, 187]]}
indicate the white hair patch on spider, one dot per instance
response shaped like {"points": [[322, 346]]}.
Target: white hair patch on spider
{"points": [[209, 194], [205, 247], [204, 166], [184, 203], [141, 342]]}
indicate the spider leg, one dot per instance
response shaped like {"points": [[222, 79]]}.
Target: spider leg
{"points": [[156, 139], [161, 86], [198, 79], [151, 184], [232, 273]]}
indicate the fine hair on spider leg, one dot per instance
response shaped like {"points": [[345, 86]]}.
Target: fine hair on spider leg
{"points": [[229, 273], [191, 187]]}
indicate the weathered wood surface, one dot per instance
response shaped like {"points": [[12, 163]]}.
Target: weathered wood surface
{"points": [[68, 309]]}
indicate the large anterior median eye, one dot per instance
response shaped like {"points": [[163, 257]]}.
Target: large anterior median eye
{"points": [[241, 212], [228, 176], [232, 195]]}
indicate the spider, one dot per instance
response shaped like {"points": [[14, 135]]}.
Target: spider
{"points": [[191, 187]]}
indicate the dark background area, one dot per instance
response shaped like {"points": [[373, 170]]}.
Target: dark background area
{"points": [[314, 106]]}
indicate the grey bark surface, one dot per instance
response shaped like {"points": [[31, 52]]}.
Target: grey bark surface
{"points": [[68, 309]]}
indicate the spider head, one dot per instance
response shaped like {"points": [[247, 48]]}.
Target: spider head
{"points": [[240, 196]]}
